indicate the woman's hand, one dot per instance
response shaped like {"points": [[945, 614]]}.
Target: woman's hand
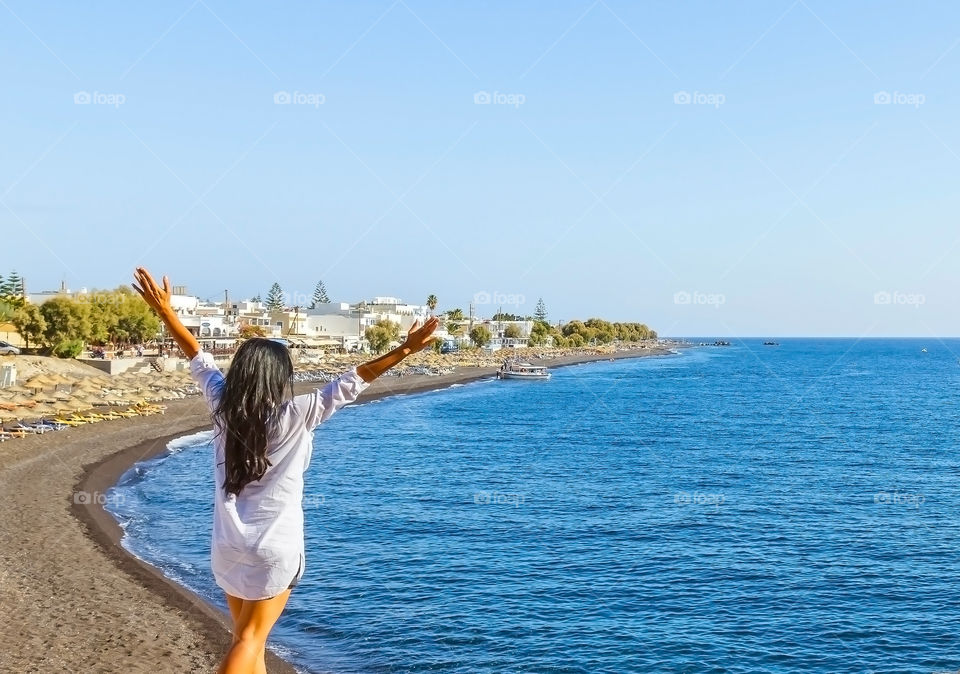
{"points": [[158, 298], [419, 336]]}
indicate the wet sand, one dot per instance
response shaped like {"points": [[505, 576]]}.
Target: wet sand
{"points": [[74, 599]]}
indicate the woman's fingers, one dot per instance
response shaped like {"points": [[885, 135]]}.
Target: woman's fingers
{"points": [[148, 287]]}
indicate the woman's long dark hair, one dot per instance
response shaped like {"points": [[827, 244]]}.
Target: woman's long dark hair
{"points": [[254, 390]]}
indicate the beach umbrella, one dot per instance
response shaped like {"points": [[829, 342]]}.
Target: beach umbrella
{"points": [[87, 398], [40, 411], [58, 379], [38, 382]]}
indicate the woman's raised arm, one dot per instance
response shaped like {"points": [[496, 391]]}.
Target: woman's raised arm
{"points": [[159, 300], [418, 338]]}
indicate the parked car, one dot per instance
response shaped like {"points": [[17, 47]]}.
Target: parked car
{"points": [[8, 349]]}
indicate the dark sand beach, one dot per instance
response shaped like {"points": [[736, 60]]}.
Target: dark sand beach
{"points": [[75, 600]]}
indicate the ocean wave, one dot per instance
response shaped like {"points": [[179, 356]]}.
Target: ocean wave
{"points": [[193, 440]]}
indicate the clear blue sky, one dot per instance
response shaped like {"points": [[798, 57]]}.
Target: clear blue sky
{"points": [[782, 197]]}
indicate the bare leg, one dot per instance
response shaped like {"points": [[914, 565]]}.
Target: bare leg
{"points": [[261, 662], [251, 628], [236, 606]]}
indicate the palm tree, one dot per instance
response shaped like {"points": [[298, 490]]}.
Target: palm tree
{"points": [[432, 302]]}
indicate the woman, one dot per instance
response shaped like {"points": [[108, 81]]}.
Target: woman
{"points": [[262, 446]]}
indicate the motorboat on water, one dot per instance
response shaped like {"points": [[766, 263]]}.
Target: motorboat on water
{"points": [[516, 370]]}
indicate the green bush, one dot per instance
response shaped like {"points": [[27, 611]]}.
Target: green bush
{"points": [[68, 348]]}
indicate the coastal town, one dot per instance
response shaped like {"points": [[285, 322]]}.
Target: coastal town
{"points": [[80, 356]]}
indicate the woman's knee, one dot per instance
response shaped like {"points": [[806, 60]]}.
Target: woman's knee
{"points": [[252, 635]]}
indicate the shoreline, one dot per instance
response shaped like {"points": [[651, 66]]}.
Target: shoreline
{"points": [[169, 624]]}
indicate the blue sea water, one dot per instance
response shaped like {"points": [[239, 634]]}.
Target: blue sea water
{"points": [[730, 509]]}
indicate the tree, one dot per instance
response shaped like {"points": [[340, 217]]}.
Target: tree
{"points": [[453, 329], [512, 331], [540, 313], [480, 336], [381, 334], [275, 298], [66, 320], [539, 333], [455, 314], [432, 302], [257, 299], [118, 316], [11, 290], [573, 327], [29, 323], [136, 322], [319, 295]]}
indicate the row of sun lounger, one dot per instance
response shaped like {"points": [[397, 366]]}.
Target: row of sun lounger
{"points": [[22, 429]]}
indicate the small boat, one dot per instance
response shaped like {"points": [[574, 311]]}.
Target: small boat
{"points": [[515, 370], [923, 350], [771, 344]]}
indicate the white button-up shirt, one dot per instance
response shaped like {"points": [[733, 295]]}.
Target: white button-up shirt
{"points": [[258, 536]]}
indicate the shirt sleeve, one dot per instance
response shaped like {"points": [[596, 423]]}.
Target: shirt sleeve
{"points": [[319, 405], [208, 377]]}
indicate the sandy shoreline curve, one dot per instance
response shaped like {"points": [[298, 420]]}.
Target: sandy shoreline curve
{"points": [[75, 598]]}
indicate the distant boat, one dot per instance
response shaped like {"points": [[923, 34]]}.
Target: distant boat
{"points": [[923, 350], [720, 342], [515, 370], [771, 344]]}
